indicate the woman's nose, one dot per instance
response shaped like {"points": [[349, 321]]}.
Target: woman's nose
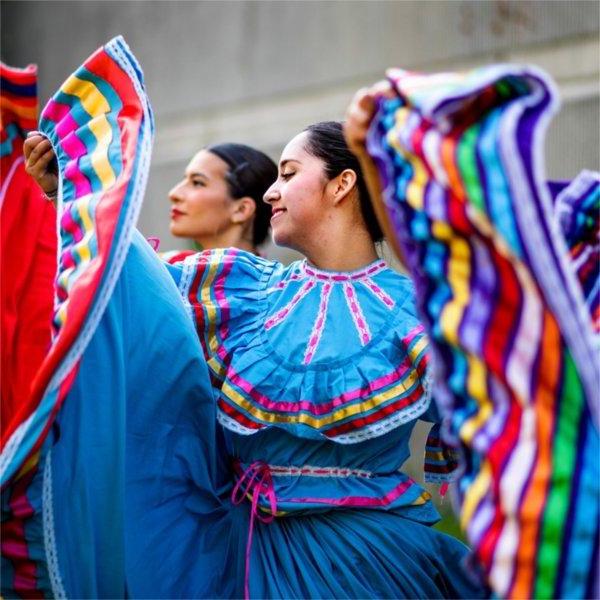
{"points": [[271, 194], [175, 193]]}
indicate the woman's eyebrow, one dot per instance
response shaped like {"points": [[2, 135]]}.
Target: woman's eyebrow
{"points": [[286, 161], [197, 174]]}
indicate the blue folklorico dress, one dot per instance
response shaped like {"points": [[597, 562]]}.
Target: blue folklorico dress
{"points": [[319, 378]]}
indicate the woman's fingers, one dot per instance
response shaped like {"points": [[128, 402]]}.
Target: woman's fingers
{"points": [[360, 113], [39, 149], [39, 154], [30, 143]]}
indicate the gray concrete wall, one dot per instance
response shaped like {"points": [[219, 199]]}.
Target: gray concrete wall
{"points": [[258, 72]]}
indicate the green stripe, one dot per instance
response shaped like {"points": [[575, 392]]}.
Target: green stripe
{"points": [[563, 464], [467, 163]]}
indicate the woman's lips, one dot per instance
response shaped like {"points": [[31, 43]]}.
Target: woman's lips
{"points": [[176, 213], [277, 212]]}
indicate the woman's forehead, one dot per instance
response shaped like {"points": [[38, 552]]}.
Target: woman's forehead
{"points": [[208, 164], [295, 149]]}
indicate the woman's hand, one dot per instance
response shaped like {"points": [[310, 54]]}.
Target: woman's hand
{"points": [[360, 113], [40, 162], [358, 119]]}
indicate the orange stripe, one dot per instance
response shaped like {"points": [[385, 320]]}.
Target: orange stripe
{"points": [[29, 112], [449, 162], [533, 503]]}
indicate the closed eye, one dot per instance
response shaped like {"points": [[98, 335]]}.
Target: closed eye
{"points": [[286, 176]]}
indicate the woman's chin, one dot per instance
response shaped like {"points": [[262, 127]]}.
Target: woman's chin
{"points": [[176, 231]]}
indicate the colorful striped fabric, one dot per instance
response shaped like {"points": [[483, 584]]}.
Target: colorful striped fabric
{"points": [[18, 108], [578, 214], [101, 127], [18, 115], [514, 356]]}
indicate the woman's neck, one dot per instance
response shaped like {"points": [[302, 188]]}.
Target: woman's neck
{"points": [[343, 250], [227, 239]]}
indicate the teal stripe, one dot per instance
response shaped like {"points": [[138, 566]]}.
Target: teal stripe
{"points": [[497, 192], [6, 147], [581, 548]]}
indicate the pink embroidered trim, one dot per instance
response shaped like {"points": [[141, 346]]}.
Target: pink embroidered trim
{"points": [[281, 315], [358, 317], [385, 500], [283, 284], [319, 471], [379, 293], [341, 276], [317, 331]]}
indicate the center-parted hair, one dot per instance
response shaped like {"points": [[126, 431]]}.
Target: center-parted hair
{"points": [[326, 141], [251, 173]]}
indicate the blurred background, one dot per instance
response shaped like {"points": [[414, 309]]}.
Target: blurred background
{"points": [[259, 72]]}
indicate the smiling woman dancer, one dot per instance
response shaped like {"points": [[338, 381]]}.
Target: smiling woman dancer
{"points": [[319, 373]]}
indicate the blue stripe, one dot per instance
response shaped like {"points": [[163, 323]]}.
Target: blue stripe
{"points": [[497, 193], [17, 89], [13, 132]]}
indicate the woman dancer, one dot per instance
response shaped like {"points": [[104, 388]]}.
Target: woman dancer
{"points": [[319, 371]]}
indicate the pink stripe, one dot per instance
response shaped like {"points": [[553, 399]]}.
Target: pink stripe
{"points": [[341, 276], [357, 500], [70, 144], [379, 293], [357, 314], [287, 309], [317, 331], [412, 334], [307, 405]]}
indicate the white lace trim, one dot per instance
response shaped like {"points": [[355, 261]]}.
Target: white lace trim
{"points": [[58, 589]]}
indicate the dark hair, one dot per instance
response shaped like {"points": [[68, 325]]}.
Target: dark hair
{"points": [[326, 141], [251, 173]]}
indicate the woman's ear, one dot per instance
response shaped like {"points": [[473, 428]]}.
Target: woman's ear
{"points": [[342, 185], [243, 210]]}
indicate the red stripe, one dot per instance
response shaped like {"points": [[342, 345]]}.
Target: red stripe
{"points": [[14, 541]]}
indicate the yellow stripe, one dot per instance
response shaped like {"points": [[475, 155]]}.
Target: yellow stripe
{"points": [[102, 130], [477, 389], [318, 422], [30, 464], [415, 191], [61, 314], [458, 278], [422, 499], [96, 105], [208, 304], [418, 348], [475, 493]]}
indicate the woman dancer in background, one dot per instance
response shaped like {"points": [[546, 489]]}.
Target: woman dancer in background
{"points": [[218, 203]]}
